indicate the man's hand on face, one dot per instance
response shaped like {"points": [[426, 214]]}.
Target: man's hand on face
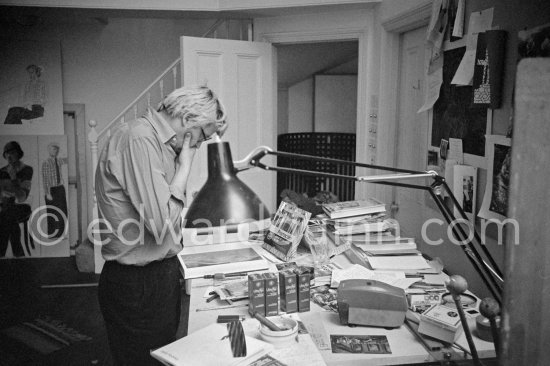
{"points": [[187, 152]]}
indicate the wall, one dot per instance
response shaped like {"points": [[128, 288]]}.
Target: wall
{"points": [[335, 104], [300, 107], [105, 67]]}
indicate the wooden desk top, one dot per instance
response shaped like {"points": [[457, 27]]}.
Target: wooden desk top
{"points": [[403, 343]]}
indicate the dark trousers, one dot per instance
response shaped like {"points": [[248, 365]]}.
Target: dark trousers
{"points": [[16, 114], [141, 308], [10, 217], [56, 221]]}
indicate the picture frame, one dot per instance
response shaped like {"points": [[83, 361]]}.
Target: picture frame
{"points": [[465, 190], [495, 199]]}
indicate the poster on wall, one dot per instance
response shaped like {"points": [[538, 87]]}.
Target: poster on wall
{"points": [[31, 101], [54, 178], [19, 196], [34, 223], [465, 190], [453, 114], [495, 200]]}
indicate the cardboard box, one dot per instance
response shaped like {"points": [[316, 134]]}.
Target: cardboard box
{"points": [[271, 294], [256, 293], [288, 291], [441, 322], [303, 282]]}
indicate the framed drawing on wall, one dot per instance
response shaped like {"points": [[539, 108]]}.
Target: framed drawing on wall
{"points": [[454, 116], [31, 101], [495, 200]]}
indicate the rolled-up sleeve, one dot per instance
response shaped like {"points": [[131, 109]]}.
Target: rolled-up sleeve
{"points": [[143, 179]]}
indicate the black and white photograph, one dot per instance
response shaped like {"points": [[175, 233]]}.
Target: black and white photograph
{"points": [[495, 200], [465, 190], [153, 152]]}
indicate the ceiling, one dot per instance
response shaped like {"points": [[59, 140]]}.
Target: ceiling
{"points": [[297, 62]]}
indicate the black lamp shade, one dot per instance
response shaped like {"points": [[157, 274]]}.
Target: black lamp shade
{"points": [[224, 200]]}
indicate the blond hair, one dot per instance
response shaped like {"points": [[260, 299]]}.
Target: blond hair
{"points": [[194, 103]]}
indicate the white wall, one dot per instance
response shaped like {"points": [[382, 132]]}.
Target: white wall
{"points": [[300, 107], [335, 104], [392, 8]]}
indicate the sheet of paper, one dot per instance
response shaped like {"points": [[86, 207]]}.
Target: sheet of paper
{"points": [[455, 150], [480, 21], [405, 283], [357, 271], [465, 72], [458, 27], [433, 86], [399, 262], [449, 172], [437, 279]]}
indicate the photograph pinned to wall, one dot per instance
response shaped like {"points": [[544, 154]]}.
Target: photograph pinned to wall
{"points": [[19, 196], [495, 200], [465, 190], [31, 101], [454, 116], [54, 179], [534, 42]]}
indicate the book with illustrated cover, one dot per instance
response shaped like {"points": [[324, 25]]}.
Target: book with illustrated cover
{"points": [[353, 208], [286, 231]]}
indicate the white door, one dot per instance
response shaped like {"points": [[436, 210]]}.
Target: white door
{"points": [[412, 127], [243, 74]]}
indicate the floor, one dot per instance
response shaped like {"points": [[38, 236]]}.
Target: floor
{"points": [[25, 295]]}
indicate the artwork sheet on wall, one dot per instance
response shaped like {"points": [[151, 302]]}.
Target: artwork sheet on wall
{"points": [[31, 100], [495, 200], [32, 224]]}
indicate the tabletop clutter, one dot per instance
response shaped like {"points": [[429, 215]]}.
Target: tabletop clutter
{"points": [[388, 284]]}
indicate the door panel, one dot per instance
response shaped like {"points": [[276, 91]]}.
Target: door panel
{"points": [[242, 73], [412, 128]]}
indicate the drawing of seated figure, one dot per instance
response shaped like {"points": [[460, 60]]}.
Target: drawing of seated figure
{"points": [[33, 98]]}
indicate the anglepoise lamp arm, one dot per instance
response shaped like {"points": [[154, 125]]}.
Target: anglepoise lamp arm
{"points": [[488, 271]]}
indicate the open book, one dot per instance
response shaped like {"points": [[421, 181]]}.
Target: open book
{"points": [[209, 346]]}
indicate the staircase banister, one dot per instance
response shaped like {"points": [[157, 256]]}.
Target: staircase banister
{"points": [[138, 98]]}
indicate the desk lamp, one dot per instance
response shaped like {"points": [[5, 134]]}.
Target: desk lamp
{"points": [[225, 197]]}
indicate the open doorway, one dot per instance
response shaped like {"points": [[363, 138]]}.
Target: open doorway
{"points": [[317, 114]]}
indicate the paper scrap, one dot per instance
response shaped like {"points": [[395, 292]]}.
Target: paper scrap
{"points": [[405, 283], [458, 26], [465, 71], [433, 83], [455, 150], [480, 21]]}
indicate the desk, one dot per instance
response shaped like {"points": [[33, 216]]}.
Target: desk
{"points": [[403, 343]]}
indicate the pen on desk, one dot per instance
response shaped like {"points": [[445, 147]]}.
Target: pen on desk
{"points": [[221, 276], [229, 318]]}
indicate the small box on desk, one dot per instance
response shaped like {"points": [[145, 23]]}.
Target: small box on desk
{"points": [[271, 294], [288, 291], [303, 283], [256, 293], [441, 322]]}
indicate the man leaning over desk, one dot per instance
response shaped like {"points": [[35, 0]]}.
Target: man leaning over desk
{"points": [[140, 184]]}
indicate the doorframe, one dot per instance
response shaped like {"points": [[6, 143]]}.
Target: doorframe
{"points": [[392, 30], [364, 35], [78, 110]]}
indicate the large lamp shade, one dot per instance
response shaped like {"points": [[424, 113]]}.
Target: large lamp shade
{"points": [[224, 199]]}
